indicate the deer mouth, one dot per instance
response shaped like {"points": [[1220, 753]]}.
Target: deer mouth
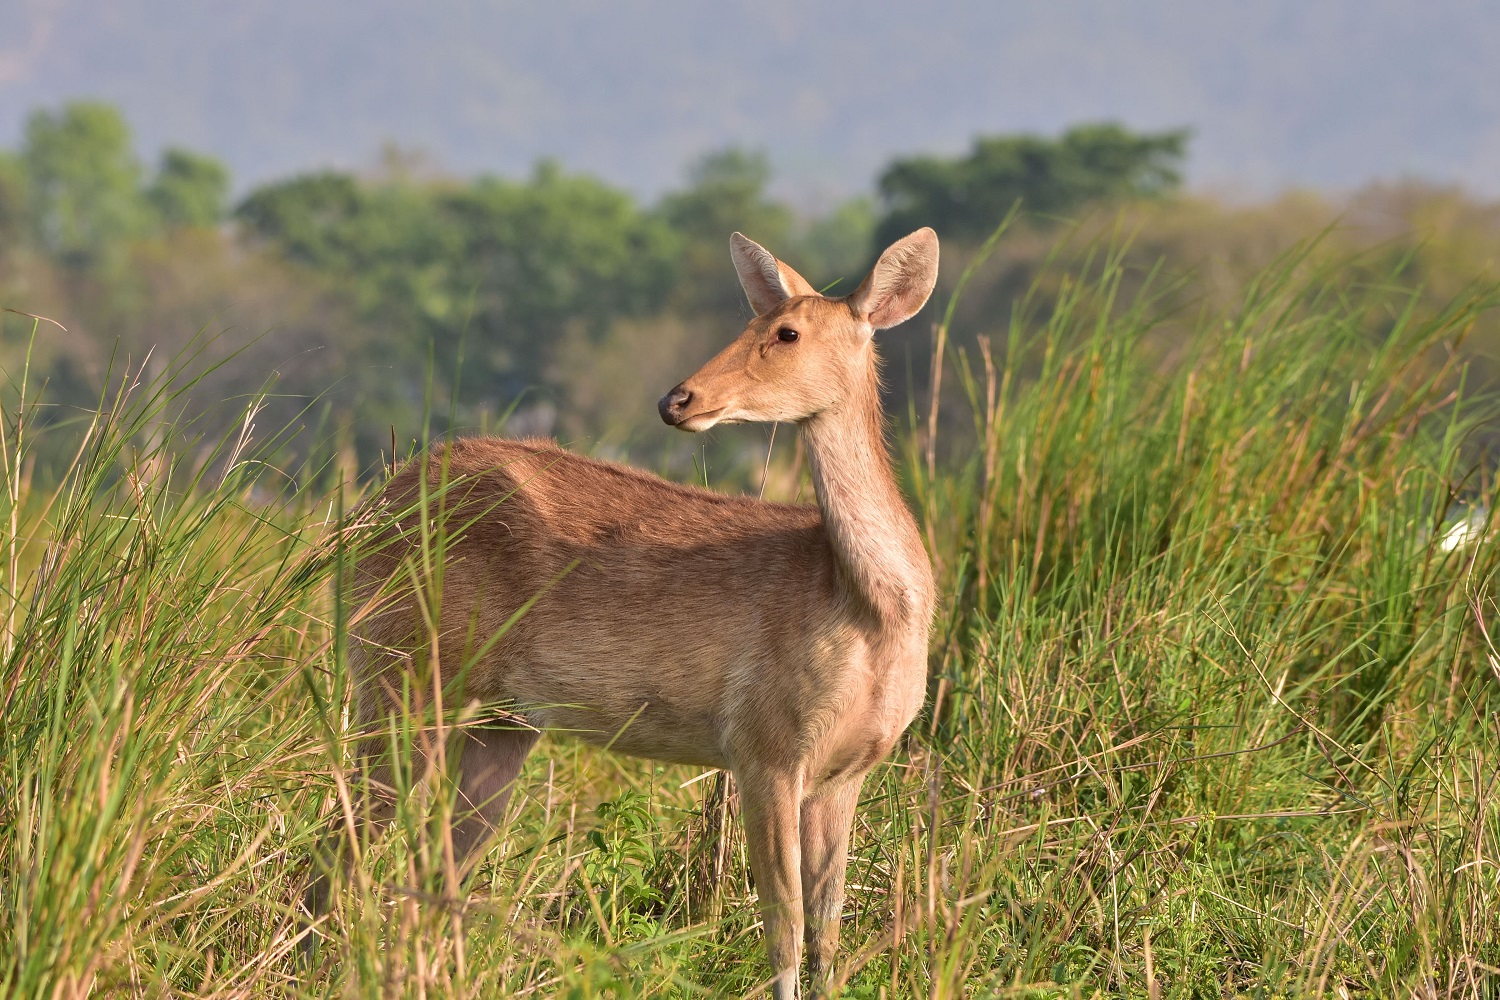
{"points": [[700, 421]]}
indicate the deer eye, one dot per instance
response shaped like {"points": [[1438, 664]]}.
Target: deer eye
{"points": [[787, 335]]}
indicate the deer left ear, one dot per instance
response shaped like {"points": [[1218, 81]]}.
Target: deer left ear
{"points": [[767, 281], [901, 281]]}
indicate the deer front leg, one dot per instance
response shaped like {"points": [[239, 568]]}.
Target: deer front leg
{"points": [[770, 808], [826, 821]]}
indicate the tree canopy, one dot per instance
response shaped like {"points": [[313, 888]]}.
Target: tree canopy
{"points": [[508, 283], [83, 181], [966, 197], [77, 190], [503, 266], [189, 190]]}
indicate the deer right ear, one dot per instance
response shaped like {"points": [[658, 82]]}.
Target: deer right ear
{"points": [[899, 284], [767, 281]]}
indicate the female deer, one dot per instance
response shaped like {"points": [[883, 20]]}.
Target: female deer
{"points": [[787, 643]]}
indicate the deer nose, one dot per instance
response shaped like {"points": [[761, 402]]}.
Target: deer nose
{"points": [[673, 403]]}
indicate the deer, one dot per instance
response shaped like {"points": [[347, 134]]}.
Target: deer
{"points": [[784, 643]]}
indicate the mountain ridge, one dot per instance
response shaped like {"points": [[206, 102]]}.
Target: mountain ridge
{"points": [[1282, 94]]}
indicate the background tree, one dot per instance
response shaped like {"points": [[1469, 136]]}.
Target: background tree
{"points": [[306, 217], [83, 182], [965, 198], [833, 250], [504, 268], [13, 214], [726, 192], [189, 190], [539, 257], [572, 297]]}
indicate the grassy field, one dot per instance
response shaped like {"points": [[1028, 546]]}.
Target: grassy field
{"points": [[1214, 711]]}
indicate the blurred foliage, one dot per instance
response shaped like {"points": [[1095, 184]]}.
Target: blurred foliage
{"points": [[726, 192], [386, 300], [964, 198], [834, 250], [492, 271], [190, 190], [83, 182], [13, 209]]}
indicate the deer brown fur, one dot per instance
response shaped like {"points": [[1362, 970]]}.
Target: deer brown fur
{"points": [[787, 643]]}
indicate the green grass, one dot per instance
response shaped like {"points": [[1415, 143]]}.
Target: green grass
{"points": [[1212, 712]]}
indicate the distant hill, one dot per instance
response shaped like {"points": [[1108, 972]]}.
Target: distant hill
{"points": [[1280, 92]]}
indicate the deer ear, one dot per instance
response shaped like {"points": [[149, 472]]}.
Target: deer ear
{"points": [[899, 284], [767, 281]]}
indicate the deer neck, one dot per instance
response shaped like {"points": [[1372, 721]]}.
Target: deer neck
{"points": [[874, 537]]}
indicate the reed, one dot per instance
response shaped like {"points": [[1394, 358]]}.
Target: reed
{"points": [[1213, 711]]}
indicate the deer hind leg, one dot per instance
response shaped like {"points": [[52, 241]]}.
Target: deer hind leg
{"points": [[483, 761], [770, 809], [361, 817], [488, 764], [358, 814], [826, 821]]}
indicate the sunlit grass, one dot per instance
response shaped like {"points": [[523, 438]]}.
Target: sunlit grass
{"points": [[1211, 713]]}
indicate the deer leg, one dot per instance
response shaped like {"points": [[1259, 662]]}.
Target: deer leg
{"points": [[489, 760], [373, 806], [770, 806], [826, 821], [488, 764]]}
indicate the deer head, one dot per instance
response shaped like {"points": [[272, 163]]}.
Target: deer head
{"points": [[803, 354]]}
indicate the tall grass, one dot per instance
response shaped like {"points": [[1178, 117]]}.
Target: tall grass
{"points": [[1213, 711]]}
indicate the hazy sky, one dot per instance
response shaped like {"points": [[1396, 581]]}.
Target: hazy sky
{"points": [[1324, 93]]}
